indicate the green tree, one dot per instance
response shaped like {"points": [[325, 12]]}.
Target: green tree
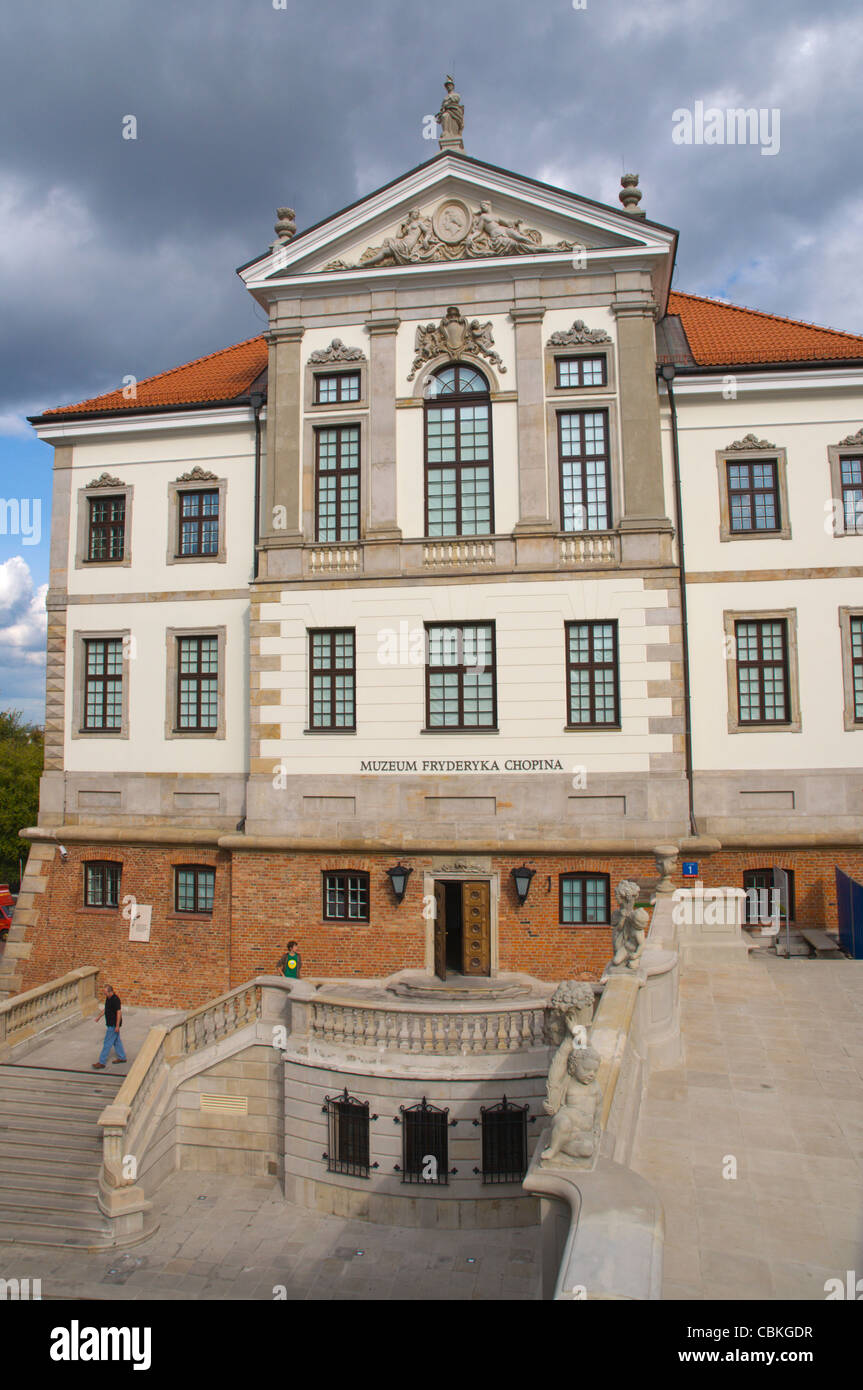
{"points": [[21, 757]]}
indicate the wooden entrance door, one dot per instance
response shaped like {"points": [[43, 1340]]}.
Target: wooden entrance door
{"points": [[440, 930], [476, 928]]}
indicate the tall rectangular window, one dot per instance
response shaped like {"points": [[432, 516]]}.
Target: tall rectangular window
{"points": [[425, 1144], [460, 677], [332, 694], [753, 496], [198, 684], [194, 888], [504, 1142], [759, 886], [856, 625], [346, 896], [103, 690], [591, 675], [348, 1124], [581, 371], [458, 454], [102, 884], [585, 478], [107, 528], [762, 671], [337, 483], [199, 523], [851, 473], [584, 899], [332, 388]]}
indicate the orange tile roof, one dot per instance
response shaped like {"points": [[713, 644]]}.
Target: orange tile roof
{"points": [[726, 335], [720, 335], [220, 376]]}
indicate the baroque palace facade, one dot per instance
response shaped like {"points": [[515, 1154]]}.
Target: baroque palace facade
{"points": [[398, 586]]}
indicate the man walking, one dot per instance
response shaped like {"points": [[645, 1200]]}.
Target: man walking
{"points": [[113, 1012]]}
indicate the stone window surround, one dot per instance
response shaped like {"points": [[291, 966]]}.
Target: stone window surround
{"points": [[312, 370], [852, 725], [330, 420], [172, 677], [492, 878], [79, 668], [175, 491], [729, 618], [565, 405], [553, 354], [780, 457], [83, 527], [835, 454]]}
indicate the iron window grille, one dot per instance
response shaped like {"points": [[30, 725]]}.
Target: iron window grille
{"points": [[581, 371], [337, 483], [759, 904], [198, 684], [593, 690], [857, 668], [107, 528], [461, 679], [753, 496], [458, 454], [425, 1138], [504, 1141], [348, 1146], [199, 523], [103, 689], [346, 896], [332, 688], [332, 388], [585, 899], [851, 472], [194, 888], [762, 671], [102, 884], [585, 470]]}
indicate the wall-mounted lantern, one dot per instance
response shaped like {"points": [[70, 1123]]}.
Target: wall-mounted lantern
{"points": [[522, 878], [398, 877]]}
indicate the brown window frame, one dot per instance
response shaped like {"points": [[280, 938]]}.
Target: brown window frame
{"points": [[583, 875], [339, 473], [580, 385], [198, 524], [592, 665], [762, 872], [102, 680], [198, 677], [461, 669], [199, 871], [856, 664], [847, 488], [459, 400], [752, 492], [105, 528], [583, 460], [331, 672], [762, 665], [340, 378], [346, 874], [107, 879]]}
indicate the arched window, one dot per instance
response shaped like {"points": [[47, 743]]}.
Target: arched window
{"points": [[458, 453]]}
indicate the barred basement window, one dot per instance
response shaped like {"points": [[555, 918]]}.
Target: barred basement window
{"points": [[346, 897], [584, 899], [504, 1142], [194, 888], [102, 884], [348, 1121], [425, 1144]]}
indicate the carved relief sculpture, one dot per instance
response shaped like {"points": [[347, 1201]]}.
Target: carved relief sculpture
{"points": [[854, 439], [570, 1008], [453, 337], [749, 441], [628, 925], [337, 352], [198, 475], [579, 333], [105, 480], [575, 1101]]}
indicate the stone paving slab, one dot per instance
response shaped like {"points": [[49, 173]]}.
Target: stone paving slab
{"points": [[278, 1244], [77, 1047], [772, 1078]]}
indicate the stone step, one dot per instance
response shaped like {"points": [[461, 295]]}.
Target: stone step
{"points": [[52, 1216], [12, 1071], [54, 1237], [54, 1108], [21, 1175], [39, 1125], [21, 1143], [61, 1204]]}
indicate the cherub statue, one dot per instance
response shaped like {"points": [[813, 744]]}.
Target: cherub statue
{"points": [[577, 1102], [628, 925], [484, 341]]}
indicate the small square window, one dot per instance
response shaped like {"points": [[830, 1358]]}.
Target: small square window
{"points": [[102, 884], [337, 387], [574, 372], [346, 897], [584, 899], [194, 889]]}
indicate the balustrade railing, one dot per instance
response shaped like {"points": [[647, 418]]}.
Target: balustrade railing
{"points": [[435, 1032], [589, 550]]}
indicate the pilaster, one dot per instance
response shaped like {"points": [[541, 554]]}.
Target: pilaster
{"points": [[644, 504], [281, 491], [382, 494], [533, 499]]}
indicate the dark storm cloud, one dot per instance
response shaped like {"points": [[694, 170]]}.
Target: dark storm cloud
{"points": [[118, 256]]}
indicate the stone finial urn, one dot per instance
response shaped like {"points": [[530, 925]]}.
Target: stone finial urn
{"points": [[666, 858]]}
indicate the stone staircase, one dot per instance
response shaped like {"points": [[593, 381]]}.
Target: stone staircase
{"points": [[50, 1156]]}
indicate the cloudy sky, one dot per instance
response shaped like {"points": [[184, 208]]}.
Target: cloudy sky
{"points": [[117, 256]]}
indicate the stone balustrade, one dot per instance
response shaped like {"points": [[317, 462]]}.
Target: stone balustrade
{"points": [[588, 550], [459, 554], [26, 1017], [433, 1031], [333, 559]]}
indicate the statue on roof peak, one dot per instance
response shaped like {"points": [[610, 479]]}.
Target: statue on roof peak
{"points": [[450, 118]]}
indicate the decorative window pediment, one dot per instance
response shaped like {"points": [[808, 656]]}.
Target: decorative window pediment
{"points": [[453, 337], [579, 333]]}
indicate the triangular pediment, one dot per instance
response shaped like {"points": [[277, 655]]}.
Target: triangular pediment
{"points": [[456, 212]]}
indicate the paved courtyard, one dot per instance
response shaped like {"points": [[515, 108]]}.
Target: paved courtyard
{"points": [[772, 1077]]}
